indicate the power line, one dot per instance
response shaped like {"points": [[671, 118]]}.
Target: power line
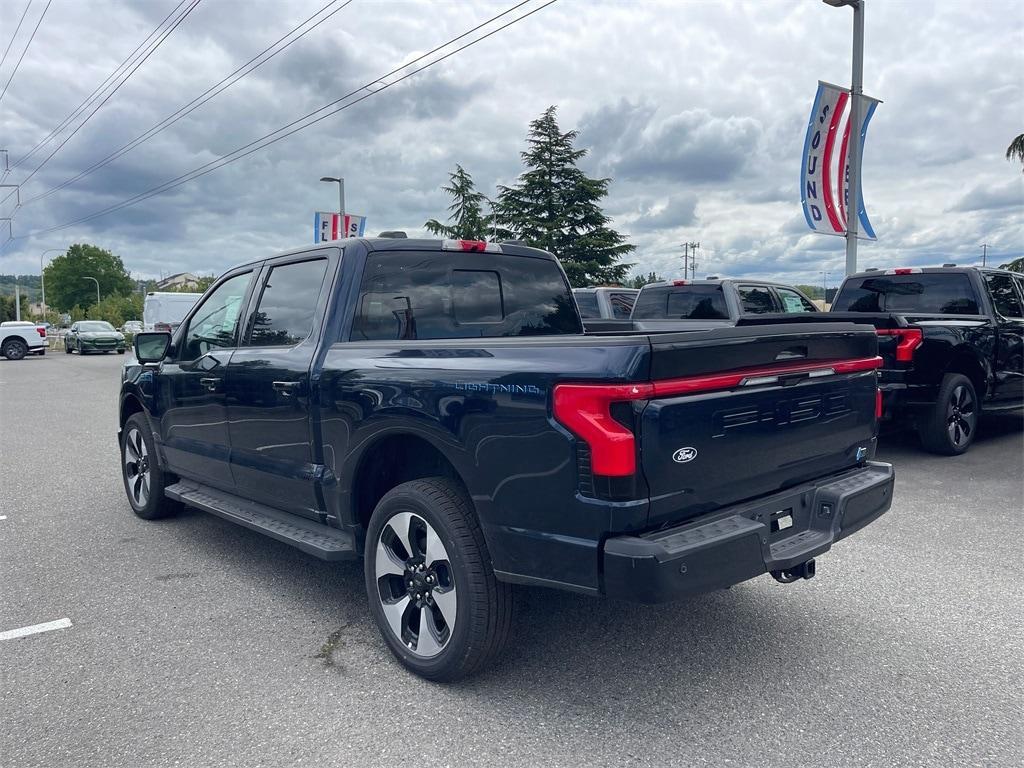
{"points": [[209, 94], [164, 35], [272, 137], [92, 96], [25, 49], [17, 29]]}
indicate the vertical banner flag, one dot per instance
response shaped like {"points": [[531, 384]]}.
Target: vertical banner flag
{"points": [[824, 172], [327, 226]]}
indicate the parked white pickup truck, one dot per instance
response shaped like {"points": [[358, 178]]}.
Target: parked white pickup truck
{"points": [[20, 337]]}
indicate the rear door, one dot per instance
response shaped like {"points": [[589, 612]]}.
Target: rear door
{"points": [[1009, 321], [193, 419], [270, 396], [752, 410]]}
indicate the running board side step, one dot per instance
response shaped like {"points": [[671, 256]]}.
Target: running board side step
{"points": [[316, 539]]}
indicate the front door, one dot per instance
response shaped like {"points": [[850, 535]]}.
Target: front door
{"points": [[270, 398], [1009, 318], [193, 419]]}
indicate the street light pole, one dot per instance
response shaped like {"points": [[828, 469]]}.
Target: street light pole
{"points": [[856, 93], [86, 277], [42, 277], [341, 200]]}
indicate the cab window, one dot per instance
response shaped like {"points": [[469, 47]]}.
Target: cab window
{"points": [[793, 301], [287, 306], [755, 299], [1004, 297], [215, 322]]}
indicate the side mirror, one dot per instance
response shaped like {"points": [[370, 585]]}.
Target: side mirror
{"points": [[151, 347]]}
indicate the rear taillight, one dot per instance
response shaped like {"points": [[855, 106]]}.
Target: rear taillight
{"points": [[878, 403], [585, 410], [907, 340], [904, 271], [41, 332], [680, 282]]}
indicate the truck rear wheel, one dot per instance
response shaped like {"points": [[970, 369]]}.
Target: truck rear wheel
{"points": [[432, 591], [949, 427]]}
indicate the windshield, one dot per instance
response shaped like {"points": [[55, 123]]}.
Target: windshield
{"points": [[97, 325], [684, 302], [938, 293]]}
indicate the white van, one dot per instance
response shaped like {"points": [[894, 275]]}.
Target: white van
{"points": [[165, 311]]}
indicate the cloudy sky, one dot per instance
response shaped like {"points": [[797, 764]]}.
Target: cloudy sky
{"points": [[696, 110]]}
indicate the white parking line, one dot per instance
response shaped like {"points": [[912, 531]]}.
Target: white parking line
{"points": [[3, 517], [35, 629]]}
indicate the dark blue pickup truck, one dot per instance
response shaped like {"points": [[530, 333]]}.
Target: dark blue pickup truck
{"points": [[437, 409]]}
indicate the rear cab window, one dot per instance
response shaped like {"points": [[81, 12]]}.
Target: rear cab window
{"points": [[622, 305], [446, 295], [587, 302], [949, 293], [683, 302]]}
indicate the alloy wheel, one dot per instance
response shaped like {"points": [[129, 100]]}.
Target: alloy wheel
{"points": [[415, 584], [961, 416], [136, 468]]}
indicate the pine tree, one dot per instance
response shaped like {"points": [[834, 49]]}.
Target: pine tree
{"points": [[555, 206], [467, 220]]}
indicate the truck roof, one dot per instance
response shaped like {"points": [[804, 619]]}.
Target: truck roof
{"points": [[407, 244], [952, 269]]}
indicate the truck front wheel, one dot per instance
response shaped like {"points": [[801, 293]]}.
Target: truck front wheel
{"points": [[949, 427], [141, 470], [432, 590]]}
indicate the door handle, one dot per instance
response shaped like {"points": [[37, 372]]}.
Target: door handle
{"points": [[210, 383], [286, 388]]}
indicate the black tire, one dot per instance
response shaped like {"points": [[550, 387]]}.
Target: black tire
{"points": [[80, 351], [67, 348], [155, 505], [483, 605], [949, 427], [120, 351], [14, 349]]}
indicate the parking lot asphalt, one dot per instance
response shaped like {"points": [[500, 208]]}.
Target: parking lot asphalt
{"points": [[195, 642]]}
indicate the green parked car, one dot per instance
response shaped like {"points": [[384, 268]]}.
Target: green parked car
{"points": [[93, 336]]}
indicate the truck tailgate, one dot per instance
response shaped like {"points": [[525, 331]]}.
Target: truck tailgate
{"points": [[742, 412]]}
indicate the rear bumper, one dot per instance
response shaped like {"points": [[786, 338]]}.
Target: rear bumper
{"points": [[739, 543]]}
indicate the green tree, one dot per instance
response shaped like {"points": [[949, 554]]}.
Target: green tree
{"points": [[555, 206], [117, 309], [466, 220], [66, 277], [8, 311], [1017, 265], [1016, 150], [639, 281], [811, 291]]}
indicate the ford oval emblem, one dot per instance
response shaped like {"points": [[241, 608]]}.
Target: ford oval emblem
{"points": [[684, 455]]}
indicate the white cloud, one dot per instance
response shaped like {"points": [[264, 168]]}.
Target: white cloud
{"points": [[697, 111]]}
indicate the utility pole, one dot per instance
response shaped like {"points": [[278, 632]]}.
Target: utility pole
{"points": [[984, 253], [17, 302], [693, 259], [824, 287], [686, 259]]}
